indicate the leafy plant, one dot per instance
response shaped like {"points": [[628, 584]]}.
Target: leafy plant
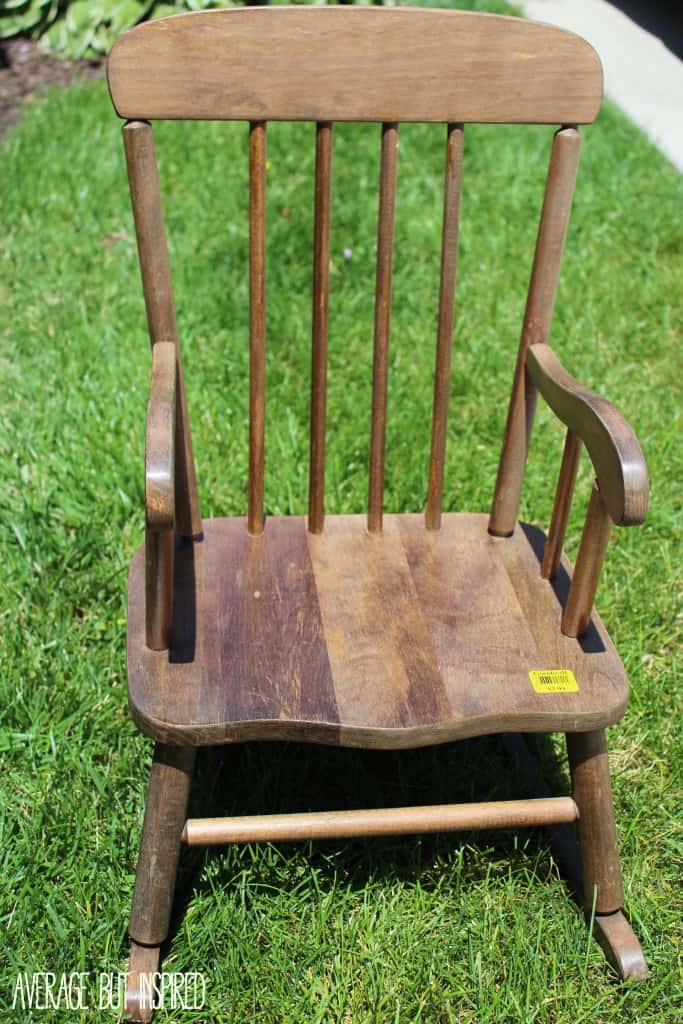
{"points": [[76, 29]]}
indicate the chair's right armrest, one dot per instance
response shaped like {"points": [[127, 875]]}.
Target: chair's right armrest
{"points": [[613, 447], [160, 439]]}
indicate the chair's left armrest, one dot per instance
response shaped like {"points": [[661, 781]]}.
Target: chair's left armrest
{"points": [[160, 439], [613, 447]]}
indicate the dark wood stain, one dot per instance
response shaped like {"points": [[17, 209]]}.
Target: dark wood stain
{"points": [[401, 638], [395, 631]]}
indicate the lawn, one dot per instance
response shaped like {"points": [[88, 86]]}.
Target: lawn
{"points": [[436, 929]]}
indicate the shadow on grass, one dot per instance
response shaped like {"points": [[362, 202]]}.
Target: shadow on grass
{"points": [[271, 778]]}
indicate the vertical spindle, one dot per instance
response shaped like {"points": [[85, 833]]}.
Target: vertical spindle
{"points": [[596, 531], [385, 248], [444, 339], [321, 280], [562, 506], [257, 323]]}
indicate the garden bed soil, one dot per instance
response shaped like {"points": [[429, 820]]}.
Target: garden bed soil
{"points": [[25, 69]]}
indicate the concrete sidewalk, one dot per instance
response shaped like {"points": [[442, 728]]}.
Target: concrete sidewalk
{"points": [[642, 75]]}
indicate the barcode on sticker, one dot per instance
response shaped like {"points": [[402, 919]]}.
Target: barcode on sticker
{"points": [[553, 680]]}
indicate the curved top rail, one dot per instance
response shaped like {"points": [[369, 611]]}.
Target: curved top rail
{"points": [[354, 64]]}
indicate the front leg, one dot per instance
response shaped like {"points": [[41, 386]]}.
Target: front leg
{"points": [[165, 814]]}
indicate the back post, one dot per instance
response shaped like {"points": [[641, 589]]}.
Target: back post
{"points": [[143, 177], [552, 231]]}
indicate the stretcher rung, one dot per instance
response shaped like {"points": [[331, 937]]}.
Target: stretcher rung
{"points": [[380, 821]]}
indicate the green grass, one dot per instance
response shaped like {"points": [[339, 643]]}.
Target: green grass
{"points": [[450, 928]]}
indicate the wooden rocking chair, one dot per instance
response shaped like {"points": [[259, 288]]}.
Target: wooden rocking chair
{"points": [[389, 631]]}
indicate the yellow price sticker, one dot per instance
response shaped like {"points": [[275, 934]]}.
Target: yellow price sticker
{"points": [[553, 680]]}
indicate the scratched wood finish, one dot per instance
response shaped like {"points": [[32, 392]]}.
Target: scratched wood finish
{"points": [[321, 289], [155, 270], [444, 338], [562, 505], [380, 821], [354, 64], [380, 368], [592, 790], [402, 638], [613, 447], [379, 649], [257, 324], [545, 274]]}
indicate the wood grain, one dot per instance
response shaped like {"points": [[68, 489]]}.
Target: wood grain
{"points": [[321, 289], [383, 821], [444, 337], [378, 641], [545, 274], [402, 638], [562, 505], [611, 443], [143, 178], [257, 324], [354, 64], [380, 367]]}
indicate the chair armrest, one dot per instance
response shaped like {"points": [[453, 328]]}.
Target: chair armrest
{"points": [[613, 447], [160, 439]]}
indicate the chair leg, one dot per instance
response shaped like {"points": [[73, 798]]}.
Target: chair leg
{"points": [[165, 814], [602, 888]]}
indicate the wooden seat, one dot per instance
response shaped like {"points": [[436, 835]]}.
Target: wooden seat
{"points": [[383, 630], [396, 639]]}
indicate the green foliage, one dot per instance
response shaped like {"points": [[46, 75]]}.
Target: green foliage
{"points": [[88, 28], [85, 28], [478, 928]]}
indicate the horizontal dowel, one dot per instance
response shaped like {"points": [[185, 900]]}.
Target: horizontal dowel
{"points": [[388, 821]]}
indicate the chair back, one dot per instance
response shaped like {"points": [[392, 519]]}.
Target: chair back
{"points": [[387, 65]]}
